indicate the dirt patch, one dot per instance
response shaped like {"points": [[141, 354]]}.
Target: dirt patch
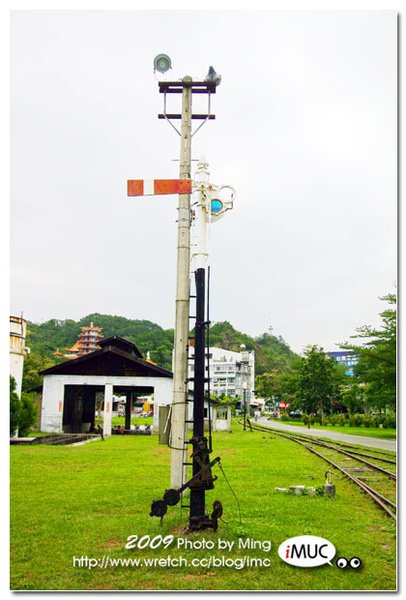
{"points": [[146, 585], [160, 450], [113, 543], [179, 530], [199, 576], [109, 544]]}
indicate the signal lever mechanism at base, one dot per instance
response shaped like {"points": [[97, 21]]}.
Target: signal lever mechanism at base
{"points": [[172, 497]]}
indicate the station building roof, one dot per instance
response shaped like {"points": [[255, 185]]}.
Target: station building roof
{"points": [[116, 356]]}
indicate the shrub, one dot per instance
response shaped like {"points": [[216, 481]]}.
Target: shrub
{"points": [[389, 421], [308, 419], [356, 420], [284, 417], [14, 406], [27, 414], [342, 420]]}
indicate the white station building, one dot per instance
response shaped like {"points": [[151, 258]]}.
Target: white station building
{"points": [[70, 389]]}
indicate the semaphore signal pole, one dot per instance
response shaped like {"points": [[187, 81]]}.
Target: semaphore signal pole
{"points": [[210, 205], [187, 87]]}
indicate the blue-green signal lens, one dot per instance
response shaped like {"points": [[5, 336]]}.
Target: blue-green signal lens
{"points": [[216, 206]]}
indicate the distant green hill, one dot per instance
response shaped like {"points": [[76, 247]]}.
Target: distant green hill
{"points": [[271, 352], [44, 338]]}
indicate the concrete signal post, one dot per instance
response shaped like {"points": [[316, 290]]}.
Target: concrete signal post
{"points": [[181, 335]]}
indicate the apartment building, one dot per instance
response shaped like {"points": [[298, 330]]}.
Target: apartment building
{"points": [[229, 372]]}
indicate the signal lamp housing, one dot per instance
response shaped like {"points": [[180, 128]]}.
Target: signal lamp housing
{"points": [[222, 200], [216, 206], [162, 63]]}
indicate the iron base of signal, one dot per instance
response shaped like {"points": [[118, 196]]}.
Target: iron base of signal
{"points": [[203, 478]]}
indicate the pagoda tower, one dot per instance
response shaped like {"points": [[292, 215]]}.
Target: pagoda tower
{"points": [[88, 341]]}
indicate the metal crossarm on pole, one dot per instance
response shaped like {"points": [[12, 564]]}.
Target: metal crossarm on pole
{"points": [[194, 117], [196, 87]]}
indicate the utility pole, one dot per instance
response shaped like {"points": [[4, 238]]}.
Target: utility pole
{"points": [[180, 388], [245, 380]]}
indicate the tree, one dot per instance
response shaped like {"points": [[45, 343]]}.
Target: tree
{"points": [[290, 383], [351, 396], [223, 335], [22, 411], [376, 366], [316, 383], [272, 352], [340, 382], [27, 414], [14, 406], [268, 385], [223, 398], [33, 364]]}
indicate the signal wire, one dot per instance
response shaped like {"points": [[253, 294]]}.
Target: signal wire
{"points": [[232, 491]]}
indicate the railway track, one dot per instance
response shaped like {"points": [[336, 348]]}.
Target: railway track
{"points": [[384, 478]]}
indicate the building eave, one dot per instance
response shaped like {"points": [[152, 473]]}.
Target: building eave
{"points": [[68, 366]]}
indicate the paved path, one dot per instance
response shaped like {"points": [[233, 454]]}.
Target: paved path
{"points": [[333, 435]]}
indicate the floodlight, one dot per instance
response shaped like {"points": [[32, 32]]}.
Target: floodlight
{"points": [[162, 63]]}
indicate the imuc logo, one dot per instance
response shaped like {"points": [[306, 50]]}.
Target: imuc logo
{"points": [[307, 551]]}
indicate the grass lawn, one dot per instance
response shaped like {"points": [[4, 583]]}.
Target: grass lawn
{"points": [[384, 434], [134, 421], [85, 501]]}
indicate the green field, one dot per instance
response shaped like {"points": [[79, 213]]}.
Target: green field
{"points": [[383, 434], [134, 421], [85, 501]]}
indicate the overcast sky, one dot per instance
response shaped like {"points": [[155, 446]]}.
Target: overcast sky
{"points": [[305, 131]]}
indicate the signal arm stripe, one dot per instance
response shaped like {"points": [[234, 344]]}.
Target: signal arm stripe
{"points": [[149, 187]]}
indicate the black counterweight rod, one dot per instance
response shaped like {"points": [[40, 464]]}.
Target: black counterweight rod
{"points": [[207, 343], [201, 451], [200, 339], [197, 492]]}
